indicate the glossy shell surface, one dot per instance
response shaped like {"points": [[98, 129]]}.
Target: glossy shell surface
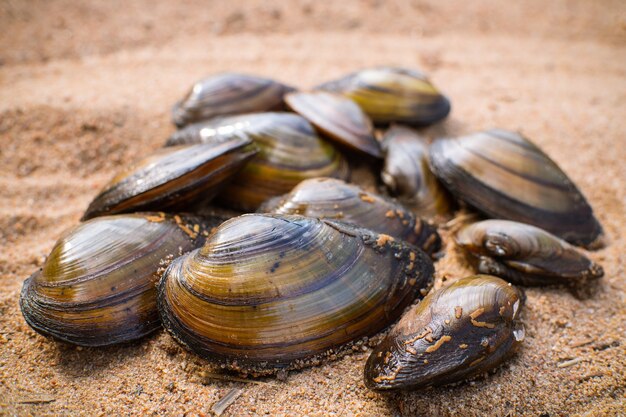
{"points": [[524, 254], [456, 332], [271, 291], [506, 176]]}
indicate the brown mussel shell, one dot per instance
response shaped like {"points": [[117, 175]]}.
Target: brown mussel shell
{"points": [[227, 94], [454, 333], [407, 174], [328, 198], [173, 178], [506, 176], [289, 152], [524, 254], [98, 286], [389, 95], [338, 118], [271, 292]]}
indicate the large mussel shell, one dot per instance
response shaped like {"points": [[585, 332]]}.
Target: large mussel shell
{"points": [[390, 95], [504, 175], [269, 292], [226, 94], [338, 118], [173, 178], [98, 286], [524, 254], [328, 198], [407, 174], [290, 152], [457, 332]]}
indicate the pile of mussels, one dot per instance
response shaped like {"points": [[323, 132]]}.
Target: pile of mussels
{"points": [[319, 265]]}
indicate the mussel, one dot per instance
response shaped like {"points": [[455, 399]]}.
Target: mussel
{"points": [[226, 94], [173, 178], [389, 94], [98, 286], [506, 176], [524, 254], [457, 332], [338, 118], [329, 198], [290, 151], [407, 175], [271, 292]]}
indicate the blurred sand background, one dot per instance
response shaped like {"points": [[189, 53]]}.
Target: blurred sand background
{"points": [[86, 87]]}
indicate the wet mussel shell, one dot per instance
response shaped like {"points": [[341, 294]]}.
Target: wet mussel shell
{"points": [[524, 254], [98, 285], [329, 198], [290, 151], [506, 176], [173, 178], [271, 292], [338, 118], [388, 95], [407, 174], [228, 94], [455, 333]]}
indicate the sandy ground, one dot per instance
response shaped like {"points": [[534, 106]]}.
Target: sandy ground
{"points": [[87, 87]]}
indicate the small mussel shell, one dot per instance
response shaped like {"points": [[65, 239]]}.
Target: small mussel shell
{"points": [[328, 198], [226, 94], [505, 176], [407, 175], [98, 286], [270, 292], [173, 178], [524, 254], [457, 332], [338, 118], [390, 95]]}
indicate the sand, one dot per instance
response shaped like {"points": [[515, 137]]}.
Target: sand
{"points": [[86, 87]]}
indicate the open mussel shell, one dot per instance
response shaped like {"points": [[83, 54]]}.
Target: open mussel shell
{"points": [[226, 94], [457, 332], [407, 174], [98, 285], [271, 292], [505, 176], [338, 118], [329, 198], [173, 178], [388, 95], [524, 254]]}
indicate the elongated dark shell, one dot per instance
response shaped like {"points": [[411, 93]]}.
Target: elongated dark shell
{"points": [[173, 178], [524, 254], [506, 176], [226, 94], [457, 332], [98, 286], [390, 95], [329, 198], [338, 118], [271, 291], [407, 174]]}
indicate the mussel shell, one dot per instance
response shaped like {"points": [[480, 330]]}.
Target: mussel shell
{"points": [[328, 198], [173, 178], [524, 254], [390, 95], [98, 286], [269, 292], [504, 175], [338, 118], [226, 94], [407, 174], [457, 332]]}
